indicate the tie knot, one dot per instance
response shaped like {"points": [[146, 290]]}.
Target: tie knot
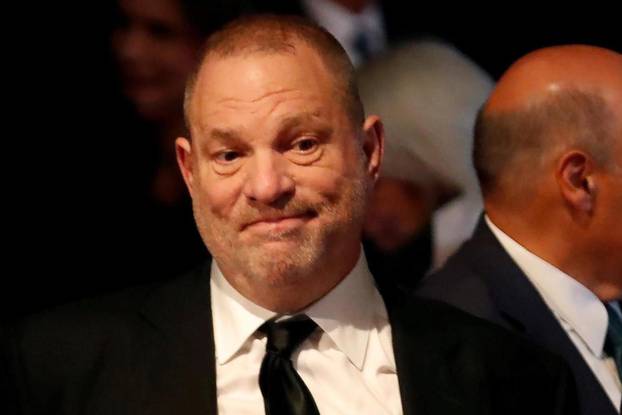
{"points": [[285, 336]]}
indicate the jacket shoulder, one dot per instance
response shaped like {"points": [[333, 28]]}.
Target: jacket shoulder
{"points": [[459, 284], [88, 343], [471, 355]]}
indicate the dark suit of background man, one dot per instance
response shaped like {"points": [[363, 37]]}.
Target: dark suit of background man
{"points": [[279, 167], [546, 260]]}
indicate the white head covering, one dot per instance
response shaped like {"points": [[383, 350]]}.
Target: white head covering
{"points": [[428, 94]]}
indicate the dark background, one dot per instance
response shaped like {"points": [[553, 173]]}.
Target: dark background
{"points": [[72, 160]]}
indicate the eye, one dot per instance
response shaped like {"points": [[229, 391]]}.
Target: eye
{"points": [[227, 161], [305, 145], [227, 156], [305, 150], [161, 30]]}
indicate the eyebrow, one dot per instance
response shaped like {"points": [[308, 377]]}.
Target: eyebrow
{"points": [[231, 136], [225, 136], [306, 118]]}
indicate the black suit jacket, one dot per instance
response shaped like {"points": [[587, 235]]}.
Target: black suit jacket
{"points": [[150, 351], [482, 279]]}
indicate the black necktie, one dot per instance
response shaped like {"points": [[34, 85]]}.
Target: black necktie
{"points": [[284, 392], [613, 341]]}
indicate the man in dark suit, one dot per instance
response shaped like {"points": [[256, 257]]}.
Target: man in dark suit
{"points": [[545, 259], [286, 319]]}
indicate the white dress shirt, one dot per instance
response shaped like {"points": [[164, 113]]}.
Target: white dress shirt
{"points": [[582, 315], [347, 363], [346, 25]]}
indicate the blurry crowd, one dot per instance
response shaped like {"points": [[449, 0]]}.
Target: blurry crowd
{"points": [[108, 207], [424, 77]]}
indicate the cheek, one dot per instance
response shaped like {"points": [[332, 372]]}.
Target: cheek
{"points": [[319, 184], [607, 233], [339, 168], [616, 224], [219, 195]]}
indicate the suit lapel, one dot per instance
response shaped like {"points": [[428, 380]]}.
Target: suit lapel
{"points": [[523, 308], [180, 355], [425, 359], [179, 351]]}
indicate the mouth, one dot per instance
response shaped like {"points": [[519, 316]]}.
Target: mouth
{"points": [[280, 223]]}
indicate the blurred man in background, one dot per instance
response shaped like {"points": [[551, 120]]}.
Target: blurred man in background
{"points": [[545, 259]]}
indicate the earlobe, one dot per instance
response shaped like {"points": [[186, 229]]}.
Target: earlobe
{"points": [[183, 150], [576, 181], [373, 145]]}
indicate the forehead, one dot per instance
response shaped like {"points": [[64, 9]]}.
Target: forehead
{"points": [[262, 84]]}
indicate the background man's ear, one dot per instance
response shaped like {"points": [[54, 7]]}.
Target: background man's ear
{"points": [[576, 181], [373, 144], [183, 150]]}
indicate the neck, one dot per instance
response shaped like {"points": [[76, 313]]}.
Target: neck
{"points": [[289, 295]]}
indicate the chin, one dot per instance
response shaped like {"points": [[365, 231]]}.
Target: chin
{"points": [[281, 273], [281, 262]]}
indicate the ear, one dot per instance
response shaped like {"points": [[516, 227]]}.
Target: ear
{"points": [[576, 181], [373, 144], [183, 150]]}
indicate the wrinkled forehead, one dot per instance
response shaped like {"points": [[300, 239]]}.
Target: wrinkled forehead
{"points": [[251, 82]]}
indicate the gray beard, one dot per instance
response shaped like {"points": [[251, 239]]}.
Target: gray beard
{"points": [[279, 268]]}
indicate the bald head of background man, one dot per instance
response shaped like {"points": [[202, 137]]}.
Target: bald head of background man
{"points": [[548, 153]]}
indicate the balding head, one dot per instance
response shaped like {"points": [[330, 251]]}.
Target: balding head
{"points": [[548, 152], [545, 72], [272, 34], [549, 101]]}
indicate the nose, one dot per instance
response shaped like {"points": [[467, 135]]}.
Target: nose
{"points": [[268, 180], [131, 43]]}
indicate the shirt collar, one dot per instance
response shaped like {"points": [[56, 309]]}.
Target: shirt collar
{"points": [[235, 318], [569, 300], [346, 314]]}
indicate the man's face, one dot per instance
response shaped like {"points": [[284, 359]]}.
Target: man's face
{"points": [[398, 211], [276, 168], [155, 51]]}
